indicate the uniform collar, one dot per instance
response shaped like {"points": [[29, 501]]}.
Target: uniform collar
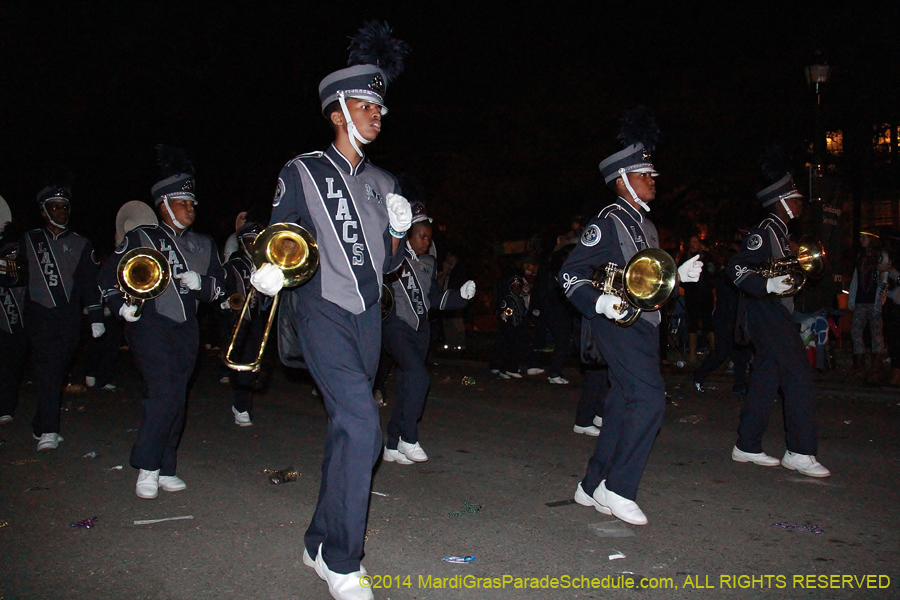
{"points": [[64, 233], [343, 164], [636, 214], [171, 230], [781, 224]]}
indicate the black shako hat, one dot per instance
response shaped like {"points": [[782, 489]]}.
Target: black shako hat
{"points": [[639, 135], [176, 175], [57, 185], [375, 60], [777, 170]]}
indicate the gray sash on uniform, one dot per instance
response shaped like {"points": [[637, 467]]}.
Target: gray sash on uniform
{"points": [[629, 248]]}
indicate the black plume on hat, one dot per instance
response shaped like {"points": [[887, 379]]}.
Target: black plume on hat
{"points": [[374, 45], [639, 127], [57, 183], [775, 163], [173, 161]]}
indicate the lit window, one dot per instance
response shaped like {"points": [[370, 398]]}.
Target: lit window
{"points": [[834, 142], [882, 137]]}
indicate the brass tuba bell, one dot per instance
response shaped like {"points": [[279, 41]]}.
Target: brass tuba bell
{"points": [[808, 262], [292, 249], [645, 283], [143, 274], [387, 301]]}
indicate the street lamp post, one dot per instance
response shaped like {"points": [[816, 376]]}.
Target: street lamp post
{"points": [[816, 77]]}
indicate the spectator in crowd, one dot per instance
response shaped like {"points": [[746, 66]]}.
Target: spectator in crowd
{"points": [[866, 297], [698, 298]]}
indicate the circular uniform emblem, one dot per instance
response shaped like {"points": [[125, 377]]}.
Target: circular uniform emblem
{"points": [[121, 247], [754, 242], [279, 192], [591, 236]]}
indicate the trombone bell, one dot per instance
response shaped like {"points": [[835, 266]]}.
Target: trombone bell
{"points": [[143, 274], [293, 250], [645, 283]]}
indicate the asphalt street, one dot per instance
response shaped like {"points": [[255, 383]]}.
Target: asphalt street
{"points": [[503, 468]]}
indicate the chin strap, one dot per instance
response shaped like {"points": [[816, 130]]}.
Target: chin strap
{"points": [[640, 202], [175, 221], [50, 219], [351, 127], [411, 251], [788, 210]]}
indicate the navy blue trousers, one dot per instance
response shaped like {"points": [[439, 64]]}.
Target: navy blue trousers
{"points": [[165, 354], [593, 395], [13, 351], [408, 348], [246, 349], [341, 351], [780, 362], [53, 334], [633, 410]]}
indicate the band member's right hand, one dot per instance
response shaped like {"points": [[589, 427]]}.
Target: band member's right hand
{"points": [[606, 306], [268, 279], [467, 290], [780, 284], [399, 213], [127, 312]]}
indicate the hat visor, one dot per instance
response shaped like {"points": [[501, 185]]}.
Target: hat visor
{"points": [[367, 98]]}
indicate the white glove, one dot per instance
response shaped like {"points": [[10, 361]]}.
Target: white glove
{"points": [[779, 285], [224, 305], [191, 279], [97, 329], [606, 306], [268, 279], [691, 269], [127, 311], [399, 213], [467, 290]]}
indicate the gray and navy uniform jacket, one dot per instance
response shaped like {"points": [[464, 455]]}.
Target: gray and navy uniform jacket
{"points": [[237, 281], [12, 290], [416, 291], [767, 240], [343, 207], [616, 234], [187, 251], [62, 277]]}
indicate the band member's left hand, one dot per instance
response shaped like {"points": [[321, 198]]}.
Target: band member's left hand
{"points": [[97, 329], [691, 269], [399, 213], [467, 290], [191, 279]]}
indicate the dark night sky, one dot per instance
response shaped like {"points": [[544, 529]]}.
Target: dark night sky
{"points": [[503, 111]]}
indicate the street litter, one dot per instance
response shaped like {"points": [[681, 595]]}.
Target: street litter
{"points": [[611, 529], [468, 507], [4, 523], [378, 493], [616, 556], [115, 468], [370, 532], [458, 559], [847, 422], [151, 521], [283, 476], [86, 523], [24, 461], [36, 489], [797, 527], [559, 503], [468, 380], [91, 454], [692, 419]]}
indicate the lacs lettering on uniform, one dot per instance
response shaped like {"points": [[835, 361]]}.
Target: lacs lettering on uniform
{"points": [[413, 291], [10, 313], [47, 265], [349, 227], [175, 266]]}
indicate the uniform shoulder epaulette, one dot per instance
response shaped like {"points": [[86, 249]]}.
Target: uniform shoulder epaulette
{"points": [[314, 154]]}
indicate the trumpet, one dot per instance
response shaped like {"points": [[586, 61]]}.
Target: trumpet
{"points": [[143, 274], [645, 283], [292, 249], [808, 262], [236, 301], [507, 313]]}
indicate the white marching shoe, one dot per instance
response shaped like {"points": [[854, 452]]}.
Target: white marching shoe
{"points": [[147, 486], [413, 452], [171, 483], [47, 441], [395, 456], [241, 419], [582, 498], [758, 458], [804, 463], [343, 586], [589, 430], [621, 508]]}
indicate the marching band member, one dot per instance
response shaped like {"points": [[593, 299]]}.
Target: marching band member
{"points": [[13, 339], [237, 285], [406, 334], [633, 409], [780, 360], [165, 337], [62, 279], [355, 212]]}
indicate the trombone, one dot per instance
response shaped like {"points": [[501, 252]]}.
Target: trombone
{"points": [[143, 274], [808, 262], [292, 249], [645, 283]]}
